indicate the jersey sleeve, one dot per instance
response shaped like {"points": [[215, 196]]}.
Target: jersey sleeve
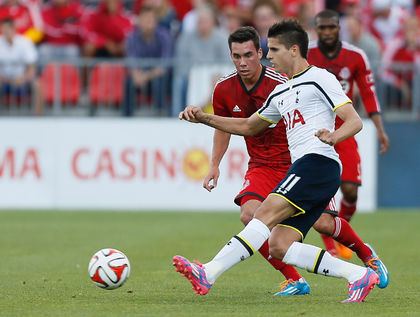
{"points": [[366, 83], [269, 111], [332, 92], [218, 101]]}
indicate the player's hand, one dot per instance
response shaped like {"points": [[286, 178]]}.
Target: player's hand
{"points": [[210, 181], [191, 114], [325, 136], [383, 142]]}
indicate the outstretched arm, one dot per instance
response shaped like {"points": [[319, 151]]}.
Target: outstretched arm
{"points": [[240, 126], [351, 126]]}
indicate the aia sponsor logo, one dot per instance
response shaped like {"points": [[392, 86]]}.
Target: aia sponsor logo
{"points": [[293, 118]]}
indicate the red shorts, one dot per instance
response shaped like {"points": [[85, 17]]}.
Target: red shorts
{"points": [[258, 183], [350, 158]]}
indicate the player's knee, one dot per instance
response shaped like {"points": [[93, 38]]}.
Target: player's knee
{"points": [[278, 249], [349, 192], [246, 217], [248, 210], [325, 225], [350, 198]]}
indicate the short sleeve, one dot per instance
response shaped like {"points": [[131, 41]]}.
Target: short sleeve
{"points": [[332, 91], [218, 101], [269, 111]]}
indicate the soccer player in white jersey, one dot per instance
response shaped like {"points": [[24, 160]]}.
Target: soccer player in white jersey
{"points": [[306, 103]]}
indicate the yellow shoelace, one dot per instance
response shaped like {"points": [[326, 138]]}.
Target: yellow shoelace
{"points": [[284, 284], [371, 264]]}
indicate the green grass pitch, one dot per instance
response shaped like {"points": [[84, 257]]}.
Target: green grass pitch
{"points": [[44, 258]]}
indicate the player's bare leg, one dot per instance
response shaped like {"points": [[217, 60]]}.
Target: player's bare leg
{"points": [[294, 284]]}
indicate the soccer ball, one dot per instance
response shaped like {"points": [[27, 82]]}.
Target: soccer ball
{"points": [[109, 268]]}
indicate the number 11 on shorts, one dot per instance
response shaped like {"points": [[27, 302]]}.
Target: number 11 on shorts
{"points": [[288, 184]]}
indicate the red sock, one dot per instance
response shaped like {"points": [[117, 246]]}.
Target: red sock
{"points": [[345, 234], [347, 209], [287, 270], [329, 244]]}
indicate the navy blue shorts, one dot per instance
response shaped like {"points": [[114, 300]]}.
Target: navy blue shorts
{"points": [[309, 185]]}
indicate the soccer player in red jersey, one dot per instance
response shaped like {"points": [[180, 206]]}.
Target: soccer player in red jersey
{"points": [[349, 64], [239, 95]]}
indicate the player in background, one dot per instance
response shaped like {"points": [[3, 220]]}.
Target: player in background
{"points": [[349, 64], [307, 106]]}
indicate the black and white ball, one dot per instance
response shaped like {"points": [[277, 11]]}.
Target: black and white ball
{"points": [[109, 268]]}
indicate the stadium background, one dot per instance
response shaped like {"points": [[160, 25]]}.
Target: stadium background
{"points": [[79, 90]]}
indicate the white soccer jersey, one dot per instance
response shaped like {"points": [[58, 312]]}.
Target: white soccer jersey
{"points": [[306, 103]]}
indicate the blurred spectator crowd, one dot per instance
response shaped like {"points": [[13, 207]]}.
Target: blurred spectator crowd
{"points": [[139, 53]]}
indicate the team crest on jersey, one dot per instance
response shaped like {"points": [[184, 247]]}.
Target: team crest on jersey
{"points": [[345, 73], [297, 96], [370, 79], [236, 109]]}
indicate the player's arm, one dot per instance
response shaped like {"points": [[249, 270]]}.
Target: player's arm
{"points": [[366, 83], [220, 145], [252, 125], [352, 124]]}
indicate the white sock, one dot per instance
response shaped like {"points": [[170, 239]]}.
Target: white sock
{"points": [[318, 261], [239, 248]]}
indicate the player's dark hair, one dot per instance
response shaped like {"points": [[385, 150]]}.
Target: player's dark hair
{"points": [[245, 34], [328, 14], [290, 32]]}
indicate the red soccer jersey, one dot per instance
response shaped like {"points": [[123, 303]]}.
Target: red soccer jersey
{"points": [[232, 99], [349, 65]]}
